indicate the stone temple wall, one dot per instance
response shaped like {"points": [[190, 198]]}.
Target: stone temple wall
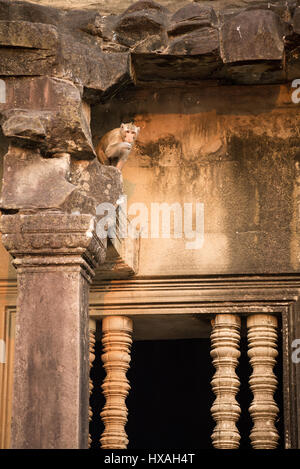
{"points": [[210, 86], [234, 149]]}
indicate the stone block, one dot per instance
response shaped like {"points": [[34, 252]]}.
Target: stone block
{"points": [[252, 35], [27, 48], [191, 17], [26, 125], [99, 72], [141, 20], [32, 182], [48, 111], [25, 11], [69, 47], [204, 41], [296, 20], [102, 183]]}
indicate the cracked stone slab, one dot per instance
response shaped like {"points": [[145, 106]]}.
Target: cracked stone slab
{"points": [[27, 48], [50, 112]]}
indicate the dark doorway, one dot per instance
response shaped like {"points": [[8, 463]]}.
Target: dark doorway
{"points": [[170, 398]]}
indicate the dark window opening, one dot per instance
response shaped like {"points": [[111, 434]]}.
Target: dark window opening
{"points": [[170, 398]]}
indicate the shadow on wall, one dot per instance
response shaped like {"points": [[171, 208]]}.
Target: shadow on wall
{"points": [[130, 102]]}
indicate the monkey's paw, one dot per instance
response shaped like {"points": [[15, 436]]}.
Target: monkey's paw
{"points": [[126, 145]]}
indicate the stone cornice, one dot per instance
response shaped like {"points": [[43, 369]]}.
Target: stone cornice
{"points": [[84, 56], [241, 42]]}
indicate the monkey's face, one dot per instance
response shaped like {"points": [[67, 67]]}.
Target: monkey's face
{"points": [[130, 136], [129, 132]]}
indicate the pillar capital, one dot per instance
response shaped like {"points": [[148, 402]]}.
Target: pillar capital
{"points": [[48, 240]]}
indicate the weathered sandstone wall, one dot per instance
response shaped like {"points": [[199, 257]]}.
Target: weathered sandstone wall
{"points": [[234, 149]]}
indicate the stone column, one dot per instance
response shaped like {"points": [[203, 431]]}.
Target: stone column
{"points": [[55, 255], [116, 340]]}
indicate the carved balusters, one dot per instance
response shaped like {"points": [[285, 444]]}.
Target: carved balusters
{"points": [[262, 338], [92, 325], [116, 339], [225, 353]]}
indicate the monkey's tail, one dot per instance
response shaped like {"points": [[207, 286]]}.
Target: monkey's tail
{"points": [[101, 155]]}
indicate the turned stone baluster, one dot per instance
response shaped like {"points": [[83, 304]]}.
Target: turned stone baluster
{"points": [[225, 353], [116, 339], [262, 338], [92, 326]]}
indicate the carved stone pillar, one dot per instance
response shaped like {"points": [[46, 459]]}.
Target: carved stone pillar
{"points": [[116, 341], [55, 255], [225, 352], [93, 325], [262, 338]]}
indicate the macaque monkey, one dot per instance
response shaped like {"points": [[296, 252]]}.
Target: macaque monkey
{"points": [[116, 145]]}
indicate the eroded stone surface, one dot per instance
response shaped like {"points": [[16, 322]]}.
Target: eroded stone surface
{"points": [[28, 34], [40, 40], [202, 42], [118, 6], [47, 111], [28, 48], [296, 20], [252, 35], [94, 48], [233, 148], [27, 125], [103, 183], [192, 16], [33, 182], [141, 20]]}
